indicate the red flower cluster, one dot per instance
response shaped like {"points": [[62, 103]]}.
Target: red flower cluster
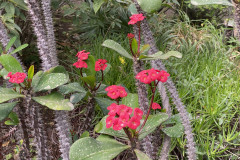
{"points": [[148, 76], [100, 65], [136, 18], [130, 35], [156, 106], [82, 55], [115, 92], [17, 77], [119, 117]]}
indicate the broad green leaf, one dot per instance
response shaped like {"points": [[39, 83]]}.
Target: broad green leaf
{"points": [[10, 63], [54, 101], [13, 119], [152, 123], [131, 100], [97, 4], [101, 89], [7, 94], [57, 69], [20, 4], [84, 134], [91, 80], [51, 81], [141, 155], [19, 48], [5, 109], [36, 79], [132, 9], [116, 47], [10, 43], [90, 71], [160, 55], [150, 6], [101, 128], [134, 46], [31, 72], [176, 130], [104, 103], [100, 149], [77, 97], [71, 88], [145, 48], [4, 73], [107, 69], [210, 2]]}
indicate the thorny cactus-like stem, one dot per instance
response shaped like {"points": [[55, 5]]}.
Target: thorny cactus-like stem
{"points": [[143, 97], [63, 129], [38, 27], [88, 115], [48, 61], [148, 37], [237, 17], [50, 32]]}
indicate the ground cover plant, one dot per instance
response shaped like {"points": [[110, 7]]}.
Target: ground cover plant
{"points": [[116, 85]]}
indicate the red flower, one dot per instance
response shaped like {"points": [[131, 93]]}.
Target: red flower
{"points": [[80, 64], [136, 18], [113, 109], [100, 65], [117, 124], [123, 120], [115, 92], [156, 106], [17, 77], [148, 76], [82, 55], [130, 35], [138, 113], [109, 121], [134, 122]]}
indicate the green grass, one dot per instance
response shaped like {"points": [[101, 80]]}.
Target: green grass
{"points": [[206, 79]]}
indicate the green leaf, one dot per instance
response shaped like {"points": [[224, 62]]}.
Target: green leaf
{"points": [[4, 73], [145, 48], [10, 43], [5, 109], [100, 149], [117, 47], [104, 103], [101, 89], [10, 63], [71, 88], [107, 69], [132, 9], [141, 155], [7, 94], [84, 134], [13, 119], [77, 97], [51, 81], [211, 2], [91, 80], [101, 128], [160, 55], [90, 71], [20, 4], [152, 123], [36, 78], [31, 72], [176, 130], [150, 6], [134, 46], [54, 101], [131, 100], [97, 4], [19, 48]]}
